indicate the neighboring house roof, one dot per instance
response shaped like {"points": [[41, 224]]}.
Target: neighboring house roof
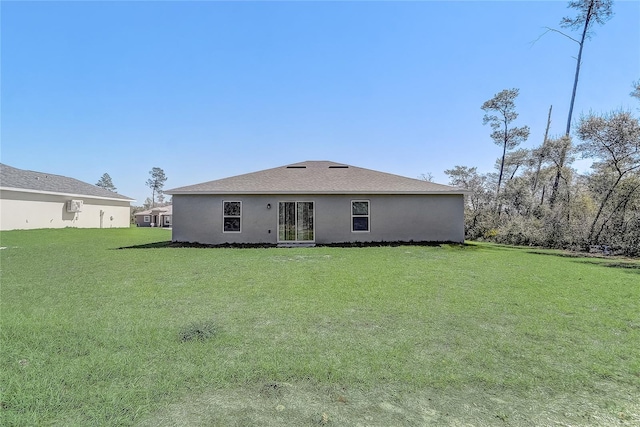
{"points": [[164, 210], [39, 182], [317, 177]]}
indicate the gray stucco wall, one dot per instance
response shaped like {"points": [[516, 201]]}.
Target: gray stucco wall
{"points": [[139, 220], [436, 218]]}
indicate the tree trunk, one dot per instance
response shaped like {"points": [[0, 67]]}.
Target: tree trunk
{"points": [[600, 209], [504, 154], [544, 142], [556, 182], [587, 21]]}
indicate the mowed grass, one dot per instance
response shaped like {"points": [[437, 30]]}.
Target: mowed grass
{"points": [[381, 336]]}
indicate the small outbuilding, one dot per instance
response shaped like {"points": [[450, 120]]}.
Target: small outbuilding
{"points": [[317, 202], [156, 217], [31, 199]]}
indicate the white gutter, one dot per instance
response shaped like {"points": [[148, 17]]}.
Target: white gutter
{"points": [[55, 193]]}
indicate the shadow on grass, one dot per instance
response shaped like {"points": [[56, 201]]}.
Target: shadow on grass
{"points": [[626, 265], [603, 261]]}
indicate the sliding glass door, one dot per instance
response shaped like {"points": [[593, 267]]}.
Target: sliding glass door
{"points": [[295, 222]]}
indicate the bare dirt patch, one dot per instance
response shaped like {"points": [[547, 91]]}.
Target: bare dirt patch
{"points": [[302, 404]]}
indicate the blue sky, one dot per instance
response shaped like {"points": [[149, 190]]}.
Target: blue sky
{"points": [[206, 90]]}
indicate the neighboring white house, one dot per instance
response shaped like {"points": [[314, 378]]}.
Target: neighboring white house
{"points": [[317, 202], [157, 217], [31, 199]]}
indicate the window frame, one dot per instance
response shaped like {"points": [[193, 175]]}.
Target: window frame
{"points": [[146, 218], [231, 216], [368, 216]]}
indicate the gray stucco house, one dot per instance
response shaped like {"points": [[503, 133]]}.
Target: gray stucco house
{"points": [[30, 199], [317, 202]]}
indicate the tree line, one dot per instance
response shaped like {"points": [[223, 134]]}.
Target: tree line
{"points": [[523, 204], [535, 197], [155, 184]]}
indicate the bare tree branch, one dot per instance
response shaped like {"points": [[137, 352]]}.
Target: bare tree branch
{"points": [[555, 31]]}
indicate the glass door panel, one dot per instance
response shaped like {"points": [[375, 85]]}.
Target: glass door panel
{"points": [[304, 227], [287, 221]]}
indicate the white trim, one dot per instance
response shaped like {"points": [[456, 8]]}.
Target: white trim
{"points": [[231, 216], [147, 218], [368, 216], [56, 193]]}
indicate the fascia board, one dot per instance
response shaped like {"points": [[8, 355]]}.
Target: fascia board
{"points": [[276, 193], [55, 193]]}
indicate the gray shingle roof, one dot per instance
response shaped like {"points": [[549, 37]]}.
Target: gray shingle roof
{"points": [[317, 177], [11, 177], [164, 210]]}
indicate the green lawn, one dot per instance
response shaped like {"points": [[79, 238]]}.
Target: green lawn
{"points": [[477, 335]]}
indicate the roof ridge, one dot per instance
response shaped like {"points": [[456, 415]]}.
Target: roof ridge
{"points": [[317, 177]]}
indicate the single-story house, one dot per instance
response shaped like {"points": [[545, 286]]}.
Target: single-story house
{"points": [[31, 199], [156, 217], [317, 202]]}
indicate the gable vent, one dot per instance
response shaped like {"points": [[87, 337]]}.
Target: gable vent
{"points": [[296, 167], [339, 167]]}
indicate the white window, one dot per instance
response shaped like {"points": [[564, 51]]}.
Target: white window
{"points": [[147, 218], [167, 220], [231, 217], [359, 215]]}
